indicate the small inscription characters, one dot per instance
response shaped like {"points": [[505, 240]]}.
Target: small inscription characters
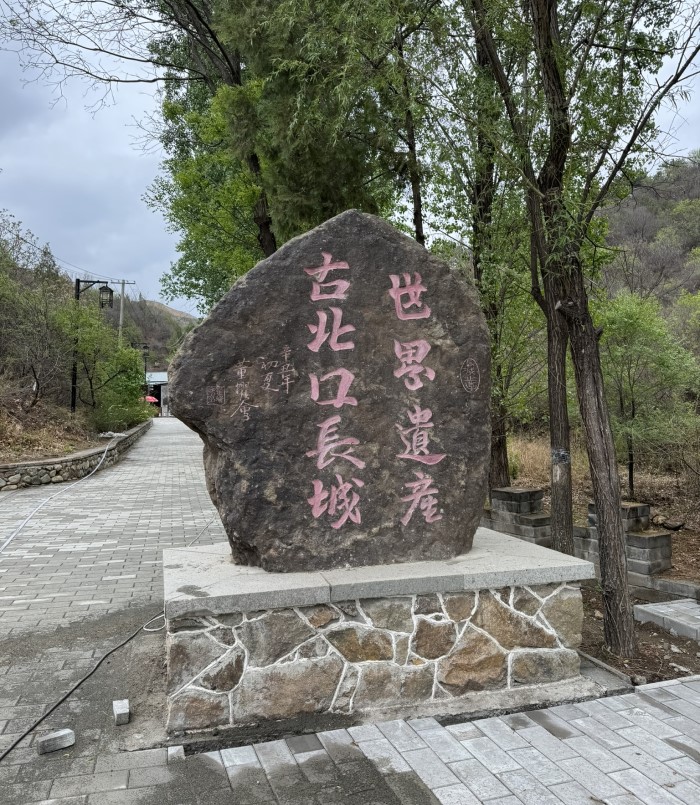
{"points": [[470, 376]]}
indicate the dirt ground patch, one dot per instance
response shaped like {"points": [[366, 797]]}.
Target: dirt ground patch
{"points": [[44, 433], [660, 655]]}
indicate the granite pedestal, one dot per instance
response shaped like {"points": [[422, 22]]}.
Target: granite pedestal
{"points": [[248, 647]]}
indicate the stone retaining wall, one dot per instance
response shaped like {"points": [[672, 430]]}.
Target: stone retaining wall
{"points": [[360, 656], [67, 468]]}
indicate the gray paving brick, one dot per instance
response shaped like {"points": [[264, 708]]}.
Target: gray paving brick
{"points": [[318, 767], [89, 783], [364, 732], [340, 745], [573, 794], [686, 792], [603, 759], [656, 726], [21, 793], [493, 758], [550, 746], [612, 720], [463, 732], [649, 743], [445, 745], [250, 784], [505, 801], [642, 787], [540, 767], [303, 743], [553, 724], [600, 733], [134, 796], [527, 789], [455, 795], [240, 756], [401, 735], [150, 776], [500, 733], [480, 781], [422, 724], [385, 756], [568, 712], [599, 784], [648, 765], [428, 766], [131, 760]]}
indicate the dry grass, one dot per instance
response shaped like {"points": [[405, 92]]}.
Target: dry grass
{"points": [[43, 433], [671, 496], [530, 458]]}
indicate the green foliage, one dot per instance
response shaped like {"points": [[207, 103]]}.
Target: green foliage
{"points": [[208, 196], [685, 318], [120, 403], [42, 328], [650, 378]]}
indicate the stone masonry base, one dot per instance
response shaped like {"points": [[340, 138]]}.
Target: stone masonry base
{"points": [[355, 657], [231, 665]]}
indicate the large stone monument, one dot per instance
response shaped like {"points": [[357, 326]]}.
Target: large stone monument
{"points": [[342, 392]]}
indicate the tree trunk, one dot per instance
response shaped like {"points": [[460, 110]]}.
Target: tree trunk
{"points": [[618, 622], [499, 473], [261, 213], [562, 523], [410, 139], [630, 467]]}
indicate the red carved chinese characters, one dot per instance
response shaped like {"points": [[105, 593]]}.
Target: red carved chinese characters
{"points": [[341, 398], [411, 354], [416, 437], [342, 499], [408, 296], [328, 443], [421, 497], [409, 306], [335, 289], [323, 335]]}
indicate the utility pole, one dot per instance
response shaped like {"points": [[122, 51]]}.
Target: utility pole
{"points": [[106, 297], [121, 307]]}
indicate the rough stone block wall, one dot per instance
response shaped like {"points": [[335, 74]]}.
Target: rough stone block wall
{"points": [[518, 512], [648, 552], [356, 657], [68, 468]]}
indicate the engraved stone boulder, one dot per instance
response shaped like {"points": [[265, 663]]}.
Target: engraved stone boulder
{"points": [[341, 389]]}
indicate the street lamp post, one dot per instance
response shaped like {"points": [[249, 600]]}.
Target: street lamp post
{"points": [[145, 351], [106, 295]]}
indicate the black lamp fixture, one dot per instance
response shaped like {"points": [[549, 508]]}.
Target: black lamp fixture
{"points": [[106, 296]]}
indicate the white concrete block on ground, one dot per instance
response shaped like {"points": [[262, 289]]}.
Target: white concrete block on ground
{"points": [[121, 711], [61, 739]]}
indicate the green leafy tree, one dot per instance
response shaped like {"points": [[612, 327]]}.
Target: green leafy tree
{"points": [[649, 380], [110, 377], [207, 196]]}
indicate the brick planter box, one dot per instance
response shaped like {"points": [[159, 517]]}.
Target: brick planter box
{"points": [[245, 647], [67, 468]]}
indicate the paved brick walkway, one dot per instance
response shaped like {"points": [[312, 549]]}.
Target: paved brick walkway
{"points": [[90, 560], [97, 547], [637, 748]]}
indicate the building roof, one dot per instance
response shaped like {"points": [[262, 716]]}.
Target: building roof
{"points": [[156, 378]]}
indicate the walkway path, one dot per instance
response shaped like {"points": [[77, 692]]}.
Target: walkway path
{"points": [[97, 547], [89, 561]]}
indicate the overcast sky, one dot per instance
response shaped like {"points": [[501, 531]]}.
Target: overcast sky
{"points": [[77, 179]]}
